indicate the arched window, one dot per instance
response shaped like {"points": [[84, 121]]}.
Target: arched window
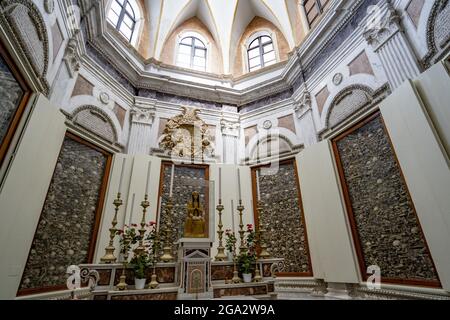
{"points": [[192, 54], [313, 9], [261, 53], [125, 16]]}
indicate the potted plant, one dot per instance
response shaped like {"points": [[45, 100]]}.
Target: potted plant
{"points": [[247, 259], [140, 263], [130, 239]]}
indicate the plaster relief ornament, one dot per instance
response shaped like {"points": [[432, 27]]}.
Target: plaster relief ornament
{"points": [[49, 6], [267, 124], [104, 98], [337, 79], [186, 136]]}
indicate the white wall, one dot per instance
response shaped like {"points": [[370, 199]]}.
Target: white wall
{"points": [[25, 189], [425, 167], [332, 253]]}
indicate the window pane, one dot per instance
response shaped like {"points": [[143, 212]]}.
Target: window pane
{"points": [[127, 20], [187, 41], [265, 39], [199, 62], [130, 10], [254, 44], [120, 1], [184, 59], [199, 43], [254, 62], [185, 49], [116, 8], [126, 31], [268, 48], [253, 53], [269, 56], [113, 18], [200, 53], [199, 68], [255, 68]]}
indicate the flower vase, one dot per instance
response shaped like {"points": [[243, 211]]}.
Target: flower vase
{"points": [[139, 284], [230, 256], [247, 277]]}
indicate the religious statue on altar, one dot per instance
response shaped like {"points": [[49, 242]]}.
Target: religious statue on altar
{"points": [[195, 225]]}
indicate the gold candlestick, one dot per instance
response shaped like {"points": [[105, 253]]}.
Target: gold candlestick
{"points": [[109, 250], [242, 247], [221, 256], [140, 249], [122, 285], [257, 277], [154, 284], [167, 248], [263, 254], [235, 278]]}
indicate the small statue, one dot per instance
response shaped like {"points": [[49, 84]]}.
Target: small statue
{"points": [[195, 225]]}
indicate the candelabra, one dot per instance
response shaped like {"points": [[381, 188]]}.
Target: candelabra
{"points": [[167, 248], [122, 285], [140, 249], [263, 254], [221, 256], [242, 247], [154, 284], [109, 250], [236, 278]]}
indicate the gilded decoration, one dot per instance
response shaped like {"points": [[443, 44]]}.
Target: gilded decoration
{"points": [[187, 136], [195, 225]]}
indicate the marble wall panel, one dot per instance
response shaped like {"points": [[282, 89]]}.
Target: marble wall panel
{"points": [[283, 220], [386, 228], [67, 224]]}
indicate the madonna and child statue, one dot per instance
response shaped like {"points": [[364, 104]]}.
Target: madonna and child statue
{"points": [[195, 225]]}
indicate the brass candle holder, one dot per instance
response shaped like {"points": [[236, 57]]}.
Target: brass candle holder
{"points": [[154, 284], [263, 253], [242, 247], [167, 248], [257, 277], [122, 285], [221, 256], [235, 278], [109, 250], [144, 204]]}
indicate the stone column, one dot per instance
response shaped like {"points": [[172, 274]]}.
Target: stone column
{"points": [[304, 118], [230, 138], [142, 119], [304, 17], [384, 32]]}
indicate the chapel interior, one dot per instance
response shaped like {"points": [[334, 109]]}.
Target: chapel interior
{"points": [[224, 149]]}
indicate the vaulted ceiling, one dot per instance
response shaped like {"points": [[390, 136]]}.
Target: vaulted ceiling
{"points": [[225, 19]]}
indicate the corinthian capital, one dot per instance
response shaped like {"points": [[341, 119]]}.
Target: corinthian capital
{"points": [[303, 104], [382, 22], [142, 115]]}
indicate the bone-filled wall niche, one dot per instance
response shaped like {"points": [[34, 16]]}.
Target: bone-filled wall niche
{"points": [[386, 229], [282, 216], [67, 229], [187, 179]]}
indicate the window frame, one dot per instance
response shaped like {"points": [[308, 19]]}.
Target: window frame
{"points": [[320, 10], [260, 46], [135, 16], [193, 47]]}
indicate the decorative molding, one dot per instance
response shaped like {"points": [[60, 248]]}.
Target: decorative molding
{"points": [[230, 128], [26, 27], [436, 51], [71, 57], [337, 79], [49, 6], [186, 136], [143, 115], [303, 105], [382, 24]]}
